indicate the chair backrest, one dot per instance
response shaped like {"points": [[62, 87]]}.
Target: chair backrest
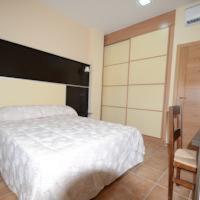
{"points": [[175, 128]]}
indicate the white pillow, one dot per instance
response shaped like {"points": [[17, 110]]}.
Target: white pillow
{"points": [[31, 112]]}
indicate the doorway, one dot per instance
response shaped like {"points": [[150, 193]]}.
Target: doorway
{"points": [[188, 88]]}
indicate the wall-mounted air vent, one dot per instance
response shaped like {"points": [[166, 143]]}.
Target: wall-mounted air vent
{"points": [[192, 15]]}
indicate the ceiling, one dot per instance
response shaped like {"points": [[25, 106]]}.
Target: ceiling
{"points": [[112, 15]]}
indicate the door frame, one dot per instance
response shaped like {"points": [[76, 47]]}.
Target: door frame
{"points": [[178, 71]]}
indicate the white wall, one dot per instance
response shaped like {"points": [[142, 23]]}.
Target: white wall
{"points": [[32, 24], [182, 34]]}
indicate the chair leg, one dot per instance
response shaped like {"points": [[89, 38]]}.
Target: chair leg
{"points": [[178, 174], [193, 191], [193, 194], [170, 183]]}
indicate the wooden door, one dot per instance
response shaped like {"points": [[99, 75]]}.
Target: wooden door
{"points": [[189, 90]]}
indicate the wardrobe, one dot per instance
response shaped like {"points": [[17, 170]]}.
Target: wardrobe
{"points": [[134, 82]]}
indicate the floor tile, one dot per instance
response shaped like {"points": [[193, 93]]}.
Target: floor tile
{"points": [[161, 153], [147, 172], [160, 193], [117, 192], [157, 163], [178, 189], [8, 196], [138, 186], [3, 188]]}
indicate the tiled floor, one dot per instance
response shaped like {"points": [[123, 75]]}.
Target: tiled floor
{"points": [[147, 181]]}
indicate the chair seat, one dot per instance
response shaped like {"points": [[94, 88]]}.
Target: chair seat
{"points": [[187, 157]]}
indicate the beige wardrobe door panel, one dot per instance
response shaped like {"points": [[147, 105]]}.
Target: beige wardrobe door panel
{"points": [[115, 96], [148, 122], [115, 75], [146, 97], [150, 44], [116, 53], [113, 114], [148, 71]]}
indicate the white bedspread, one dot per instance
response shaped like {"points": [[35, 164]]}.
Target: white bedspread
{"points": [[64, 157]]}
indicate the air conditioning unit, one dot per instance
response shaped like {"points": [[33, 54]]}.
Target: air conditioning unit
{"points": [[192, 15]]}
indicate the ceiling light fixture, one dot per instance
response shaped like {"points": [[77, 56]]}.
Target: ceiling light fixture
{"points": [[144, 2]]}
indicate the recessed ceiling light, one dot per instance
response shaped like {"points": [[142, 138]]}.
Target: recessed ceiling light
{"points": [[144, 2]]}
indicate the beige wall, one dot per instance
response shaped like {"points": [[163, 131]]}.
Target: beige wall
{"points": [[26, 92], [183, 34], [96, 60], [32, 24]]}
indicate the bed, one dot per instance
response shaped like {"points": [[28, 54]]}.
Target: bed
{"points": [[50, 153]]}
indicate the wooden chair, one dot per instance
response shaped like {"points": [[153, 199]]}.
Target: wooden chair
{"points": [[179, 158]]}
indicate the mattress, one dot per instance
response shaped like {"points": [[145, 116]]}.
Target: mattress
{"points": [[65, 157]]}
